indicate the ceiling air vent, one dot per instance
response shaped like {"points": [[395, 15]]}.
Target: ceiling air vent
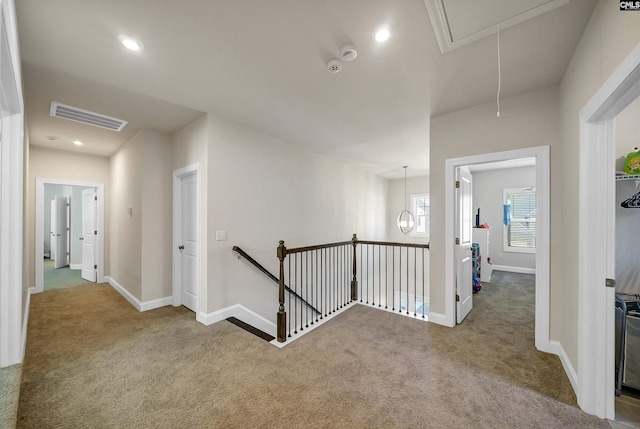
{"points": [[59, 110]]}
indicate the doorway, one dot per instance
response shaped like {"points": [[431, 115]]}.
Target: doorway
{"points": [[596, 232], [542, 175], [44, 187]]}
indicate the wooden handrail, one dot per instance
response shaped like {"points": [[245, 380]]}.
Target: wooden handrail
{"points": [[317, 247], [396, 244], [259, 266]]}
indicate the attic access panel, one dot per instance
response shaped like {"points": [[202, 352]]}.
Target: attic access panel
{"points": [[460, 22]]}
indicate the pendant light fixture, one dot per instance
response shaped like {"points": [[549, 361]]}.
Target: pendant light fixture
{"points": [[405, 220]]}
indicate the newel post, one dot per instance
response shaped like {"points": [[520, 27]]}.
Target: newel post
{"points": [[282, 315], [354, 281]]}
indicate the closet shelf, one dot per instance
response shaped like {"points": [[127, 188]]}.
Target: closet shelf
{"points": [[628, 177]]}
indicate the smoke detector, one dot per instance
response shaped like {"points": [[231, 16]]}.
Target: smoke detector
{"points": [[334, 66], [349, 53]]}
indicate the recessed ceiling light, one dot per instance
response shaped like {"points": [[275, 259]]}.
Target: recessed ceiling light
{"points": [[130, 43], [77, 143], [382, 35]]}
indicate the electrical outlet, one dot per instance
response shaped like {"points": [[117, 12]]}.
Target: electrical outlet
{"points": [[221, 235]]}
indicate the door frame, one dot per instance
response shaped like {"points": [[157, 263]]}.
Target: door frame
{"points": [[39, 236], [541, 155], [176, 288], [596, 237]]}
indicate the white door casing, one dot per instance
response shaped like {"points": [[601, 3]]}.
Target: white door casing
{"points": [[186, 238], [596, 237], [464, 265], [62, 231], [39, 233], [541, 155], [89, 200]]}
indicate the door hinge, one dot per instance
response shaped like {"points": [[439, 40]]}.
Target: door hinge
{"points": [[457, 184], [95, 232], [95, 267], [610, 283], [457, 240], [95, 198], [457, 298]]}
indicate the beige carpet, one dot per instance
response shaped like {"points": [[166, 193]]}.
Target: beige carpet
{"points": [[93, 361]]}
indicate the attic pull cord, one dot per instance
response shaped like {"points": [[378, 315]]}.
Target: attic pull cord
{"points": [[499, 74]]}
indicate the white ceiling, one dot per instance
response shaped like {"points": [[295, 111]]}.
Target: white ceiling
{"points": [[264, 64]]}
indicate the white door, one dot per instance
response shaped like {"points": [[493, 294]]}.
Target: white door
{"points": [[62, 231], [52, 233], [89, 234], [188, 243], [464, 264]]}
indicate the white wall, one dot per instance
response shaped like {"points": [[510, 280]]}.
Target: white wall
{"points": [[68, 166], [609, 37], [141, 240], [526, 120], [488, 189], [627, 132], [126, 229], [262, 190]]}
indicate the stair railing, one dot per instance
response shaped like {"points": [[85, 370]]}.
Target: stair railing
{"points": [[326, 276], [266, 272]]}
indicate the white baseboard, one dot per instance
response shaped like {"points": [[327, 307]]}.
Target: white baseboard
{"points": [[75, 266], [439, 319], [556, 348], [25, 323], [239, 312], [514, 269], [139, 305]]}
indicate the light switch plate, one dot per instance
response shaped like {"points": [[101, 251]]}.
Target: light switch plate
{"points": [[221, 235]]}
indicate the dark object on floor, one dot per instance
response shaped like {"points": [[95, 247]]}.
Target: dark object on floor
{"points": [[255, 331]]}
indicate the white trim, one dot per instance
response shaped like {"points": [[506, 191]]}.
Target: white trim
{"points": [[440, 23], [39, 235], [139, 305], [176, 286], [25, 323], [520, 270], [75, 266], [438, 318], [541, 154], [556, 348], [596, 247], [239, 312]]}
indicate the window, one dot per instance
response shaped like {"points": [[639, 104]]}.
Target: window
{"points": [[520, 214], [420, 210]]}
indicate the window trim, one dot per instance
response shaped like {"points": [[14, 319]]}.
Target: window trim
{"points": [[412, 199], [505, 228]]}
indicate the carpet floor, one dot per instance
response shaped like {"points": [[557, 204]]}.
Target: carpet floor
{"points": [[93, 361]]}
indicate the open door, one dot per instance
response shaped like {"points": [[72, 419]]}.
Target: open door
{"points": [[62, 231], [89, 235], [464, 267], [52, 233]]}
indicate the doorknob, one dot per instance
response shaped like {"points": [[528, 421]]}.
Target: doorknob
{"points": [[181, 247], [81, 238]]}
